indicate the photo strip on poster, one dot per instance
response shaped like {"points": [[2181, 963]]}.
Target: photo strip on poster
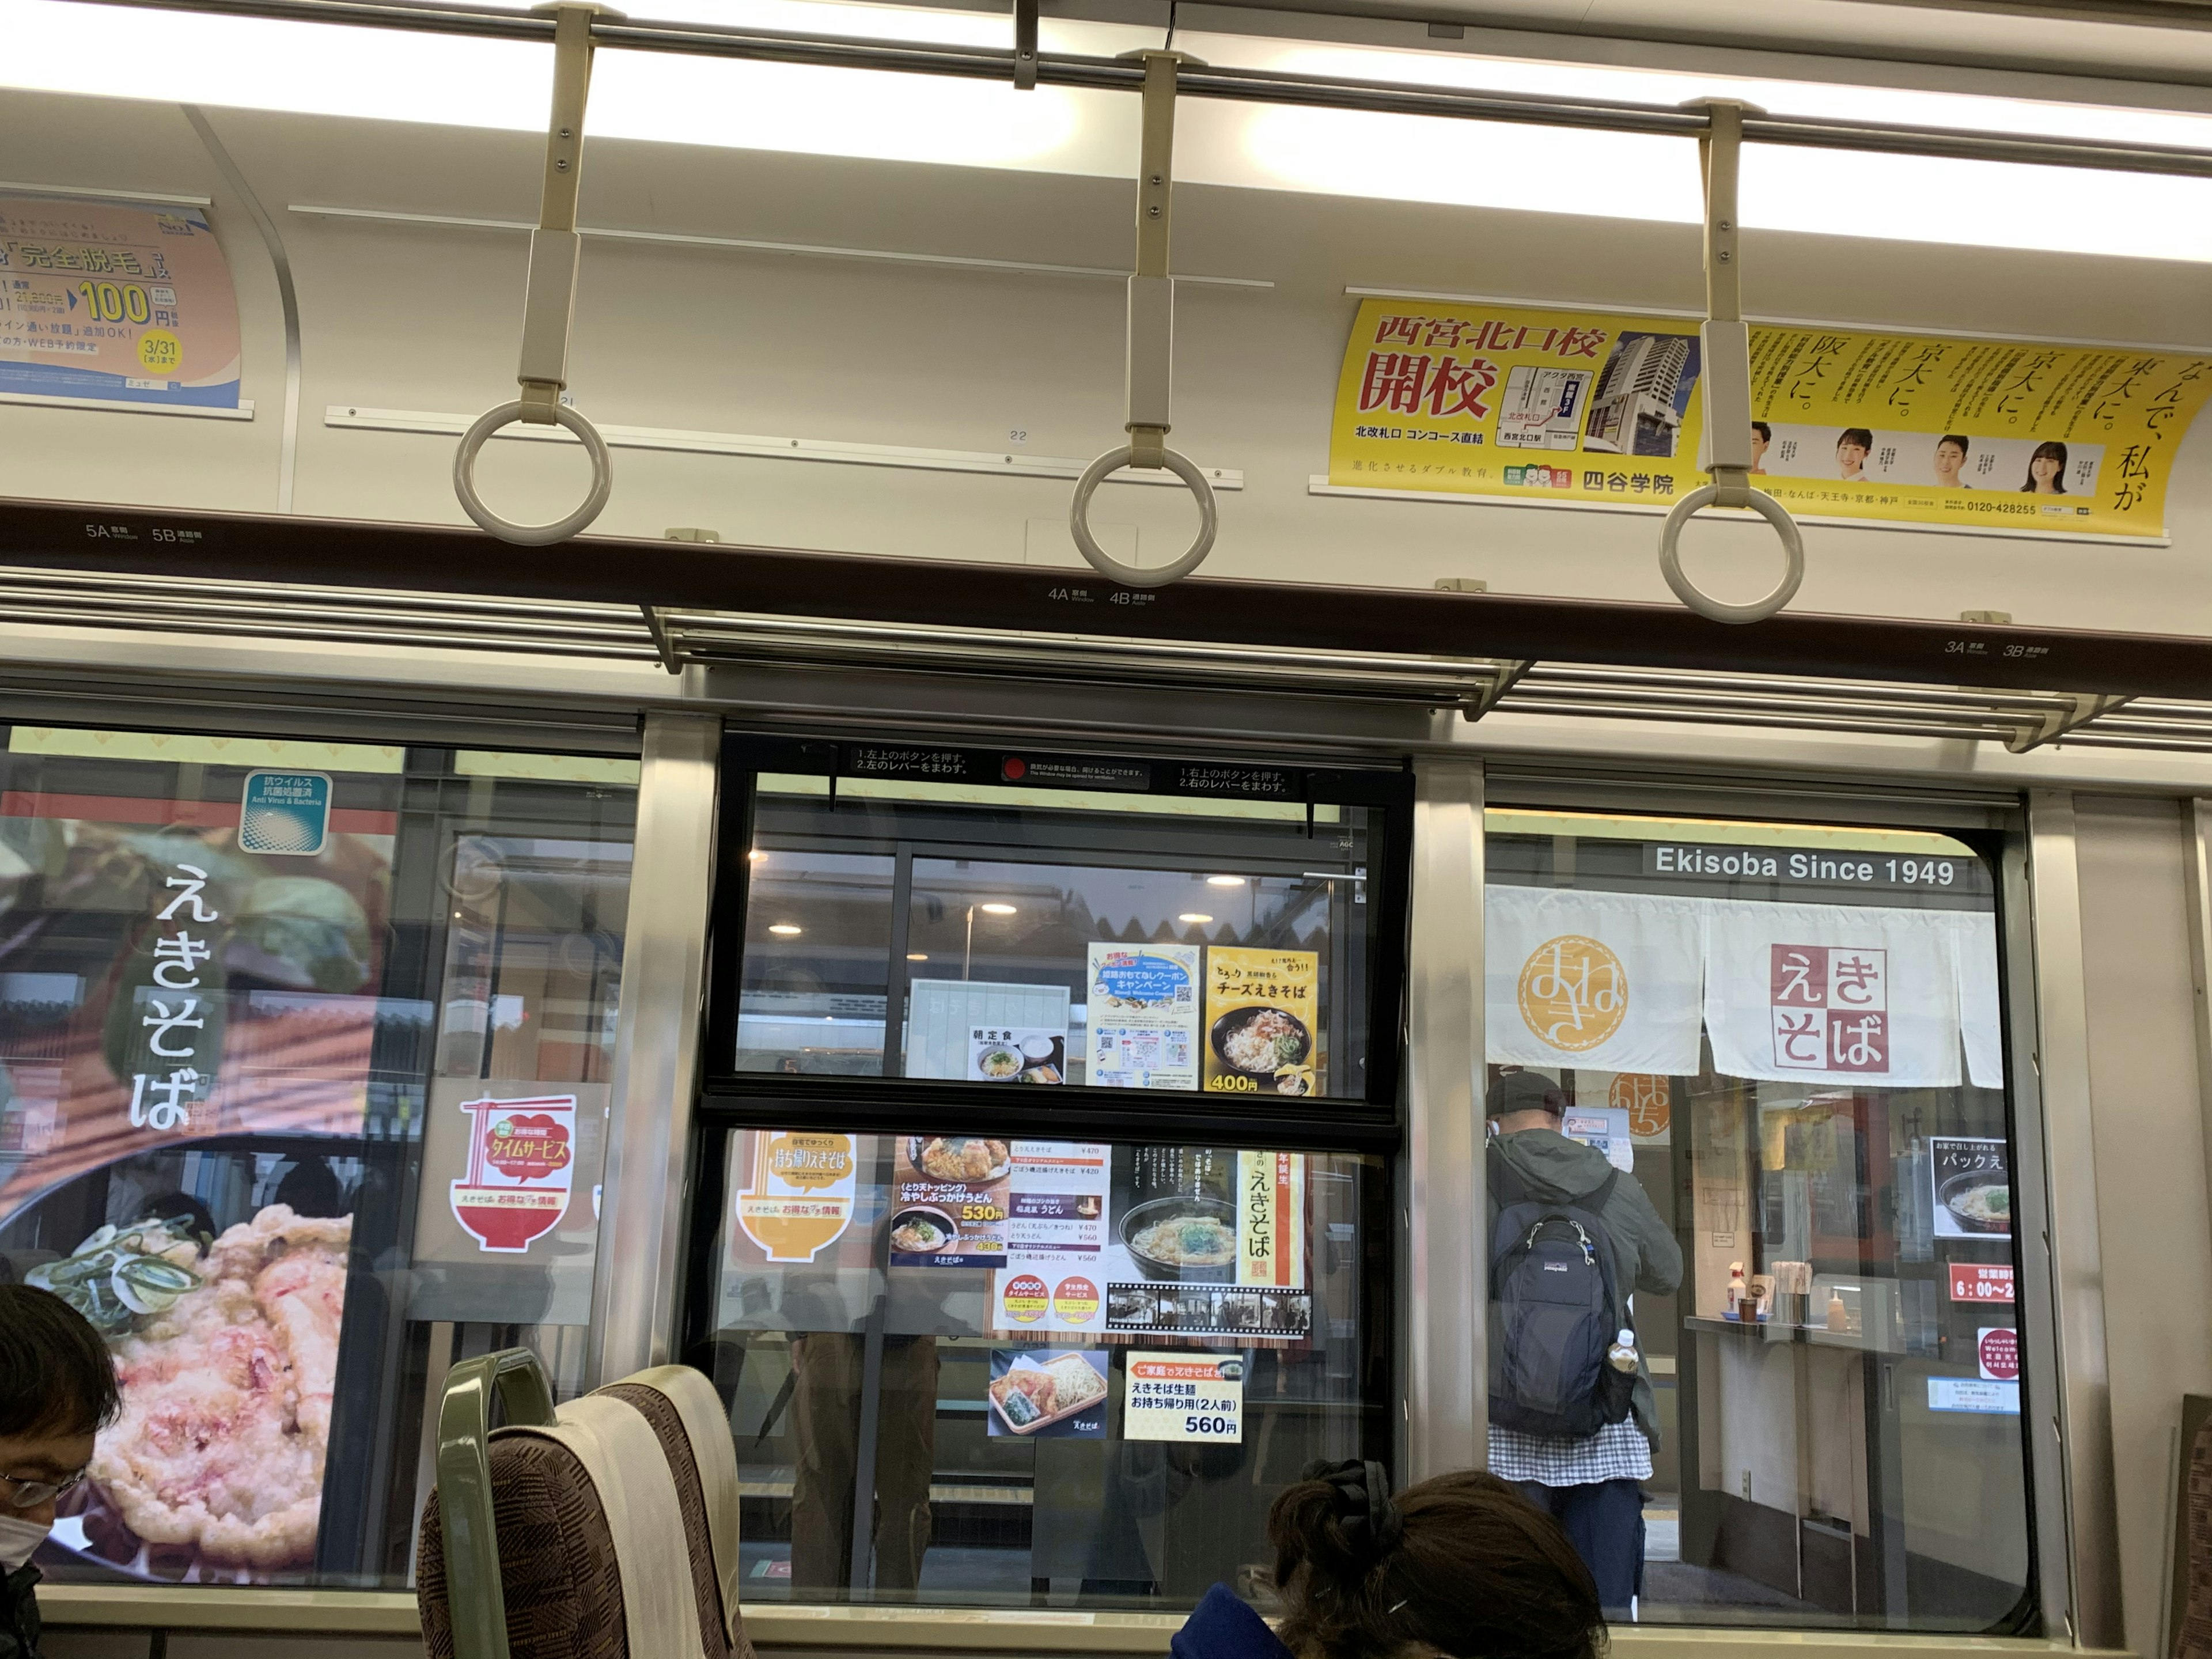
{"points": [[1167, 1241]]}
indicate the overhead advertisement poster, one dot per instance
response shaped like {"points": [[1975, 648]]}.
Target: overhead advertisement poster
{"points": [[1535, 405], [115, 303]]}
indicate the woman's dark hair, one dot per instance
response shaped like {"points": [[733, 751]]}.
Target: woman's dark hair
{"points": [[1855, 434], [2051, 451], [56, 1375], [1462, 1565]]}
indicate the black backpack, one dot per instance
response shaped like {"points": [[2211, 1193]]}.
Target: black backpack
{"points": [[1555, 1309]]}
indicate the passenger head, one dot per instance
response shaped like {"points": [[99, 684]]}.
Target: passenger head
{"points": [[56, 1391], [1462, 1565], [1524, 1100]]}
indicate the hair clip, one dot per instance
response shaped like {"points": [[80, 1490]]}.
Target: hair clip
{"points": [[1396, 1605]]}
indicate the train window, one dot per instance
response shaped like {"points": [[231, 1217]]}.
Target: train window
{"points": [[1131, 924], [1768, 1057], [304, 1058], [982, 1371]]}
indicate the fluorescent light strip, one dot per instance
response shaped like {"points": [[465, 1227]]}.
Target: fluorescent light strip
{"points": [[90, 192], [996, 462], [1021, 267], [323, 70]]}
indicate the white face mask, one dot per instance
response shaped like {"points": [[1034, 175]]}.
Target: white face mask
{"points": [[18, 1538]]}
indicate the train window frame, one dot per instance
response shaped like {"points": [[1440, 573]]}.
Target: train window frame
{"points": [[1995, 831]]}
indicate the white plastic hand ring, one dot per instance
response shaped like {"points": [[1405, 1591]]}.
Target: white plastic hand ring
{"points": [[1128, 575], [1670, 558], [532, 535]]}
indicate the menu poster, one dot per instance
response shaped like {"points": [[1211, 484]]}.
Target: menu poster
{"points": [[1055, 1237], [949, 1195], [1605, 1128], [1144, 1016], [1162, 1240], [1184, 1396], [801, 1197], [1973, 1186], [1012, 1053], [1208, 1242], [1262, 1009]]}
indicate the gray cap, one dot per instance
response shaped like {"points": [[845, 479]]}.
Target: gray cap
{"points": [[1525, 1091]]}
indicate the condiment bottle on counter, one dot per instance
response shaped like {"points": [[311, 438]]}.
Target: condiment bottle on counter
{"points": [[1840, 1317], [1737, 1290], [1621, 1356]]}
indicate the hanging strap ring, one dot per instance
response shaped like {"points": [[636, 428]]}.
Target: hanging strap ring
{"points": [[1719, 611], [550, 296], [1079, 514], [530, 534]]}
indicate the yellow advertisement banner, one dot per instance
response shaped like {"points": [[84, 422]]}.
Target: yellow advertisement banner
{"points": [[1262, 1016], [1521, 403]]}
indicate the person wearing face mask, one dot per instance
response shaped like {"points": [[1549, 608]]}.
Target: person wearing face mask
{"points": [[57, 1392]]}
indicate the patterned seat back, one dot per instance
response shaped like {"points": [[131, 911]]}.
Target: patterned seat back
{"points": [[562, 1531]]}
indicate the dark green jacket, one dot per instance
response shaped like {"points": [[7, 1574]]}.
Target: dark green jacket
{"points": [[18, 1614], [1645, 1255]]}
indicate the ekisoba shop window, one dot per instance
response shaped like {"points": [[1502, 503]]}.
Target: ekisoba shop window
{"points": [[1042, 1230], [304, 1054], [1788, 1039]]}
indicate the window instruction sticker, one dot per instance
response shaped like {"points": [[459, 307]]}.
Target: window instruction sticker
{"points": [[1184, 1396], [287, 814]]}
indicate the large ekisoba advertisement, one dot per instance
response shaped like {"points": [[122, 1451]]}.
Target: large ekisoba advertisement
{"points": [[186, 1037]]}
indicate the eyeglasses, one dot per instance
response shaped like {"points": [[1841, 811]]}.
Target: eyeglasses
{"points": [[22, 1493]]}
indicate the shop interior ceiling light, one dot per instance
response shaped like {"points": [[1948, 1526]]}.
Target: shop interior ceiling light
{"points": [[447, 79]]}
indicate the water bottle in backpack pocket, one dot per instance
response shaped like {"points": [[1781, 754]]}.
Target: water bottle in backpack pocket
{"points": [[1555, 1309]]}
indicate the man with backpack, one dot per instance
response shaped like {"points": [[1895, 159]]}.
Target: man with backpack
{"points": [[1571, 1410]]}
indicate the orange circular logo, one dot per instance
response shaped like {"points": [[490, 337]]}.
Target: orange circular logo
{"points": [[1647, 1100], [1573, 993], [1075, 1301]]}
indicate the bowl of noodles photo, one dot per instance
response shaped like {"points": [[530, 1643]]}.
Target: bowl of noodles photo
{"points": [[1262, 1043], [1191, 1239], [1978, 1202], [921, 1231]]}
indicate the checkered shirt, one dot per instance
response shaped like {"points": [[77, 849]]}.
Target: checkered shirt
{"points": [[1618, 1451]]}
